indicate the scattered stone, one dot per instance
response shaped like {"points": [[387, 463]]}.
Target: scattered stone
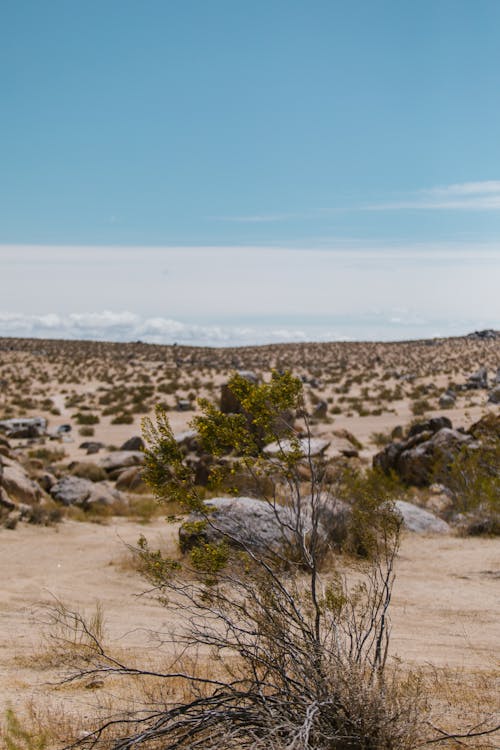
{"points": [[419, 520], [320, 410], [430, 425], [184, 404], [424, 454], [135, 443], [91, 446], [488, 333], [478, 379], [17, 484], [121, 460], [71, 490], [494, 396], [447, 400]]}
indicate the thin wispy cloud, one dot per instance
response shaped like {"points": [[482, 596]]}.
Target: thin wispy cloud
{"points": [[464, 196]]}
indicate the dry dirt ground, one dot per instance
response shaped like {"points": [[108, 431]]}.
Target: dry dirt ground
{"points": [[446, 604], [445, 610]]}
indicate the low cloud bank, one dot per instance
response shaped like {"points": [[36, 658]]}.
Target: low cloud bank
{"points": [[127, 326], [396, 324]]}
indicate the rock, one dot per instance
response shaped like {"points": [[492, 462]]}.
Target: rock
{"points": [[184, 404], [257, 524], [478, 379], [419, 520], [494, 396], [71, 490], [320, 410], [313, 447], [246, 520], [91, 446], [135, 443], [420, 459], [430, 425], [130, 480], [397, 432], [345, 448], [121, 460], [447, 400], [488, 333], [17, 484]]}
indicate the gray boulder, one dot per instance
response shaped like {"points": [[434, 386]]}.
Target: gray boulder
{"points": [[261, 526], [71, 490], [447, 400], [121, 460], [17, 484], [135, 443], [424, 457], [494, 396], [478, 379], [419, 520]]}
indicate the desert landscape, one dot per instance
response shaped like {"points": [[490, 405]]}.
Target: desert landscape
{"points": [[73, 503]]}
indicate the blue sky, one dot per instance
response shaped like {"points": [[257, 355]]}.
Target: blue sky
{"points": [[346, 127]]}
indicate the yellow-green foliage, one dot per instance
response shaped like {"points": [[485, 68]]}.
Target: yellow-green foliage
{"points": [[15, 737]]}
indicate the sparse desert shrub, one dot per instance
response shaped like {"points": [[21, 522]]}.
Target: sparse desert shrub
{"points": [[474, 480], [83, 418], [15, 735], [123, 418], [421, 406], [86, 431], [47, 455]]}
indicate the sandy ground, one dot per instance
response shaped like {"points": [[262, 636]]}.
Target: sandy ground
{"points": [[445, 610]]}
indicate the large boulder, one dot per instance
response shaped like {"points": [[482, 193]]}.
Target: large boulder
{"points": [[17, 484], [419, 520], [260, 525], [71, 490], [121, 460], [424, 456], [478, 379]]}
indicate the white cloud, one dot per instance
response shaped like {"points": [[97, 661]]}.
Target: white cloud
{"points": [[126, 326]]}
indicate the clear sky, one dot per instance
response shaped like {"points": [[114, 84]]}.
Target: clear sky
{"points": [[286, 131]]}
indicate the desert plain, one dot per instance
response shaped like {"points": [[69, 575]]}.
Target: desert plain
{"points": [[445, 611]]}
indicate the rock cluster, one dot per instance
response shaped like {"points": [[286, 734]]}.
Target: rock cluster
{"points": [[427, 451]]}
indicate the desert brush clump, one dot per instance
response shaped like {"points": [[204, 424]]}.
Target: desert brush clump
{"points": [[284, 646]]}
